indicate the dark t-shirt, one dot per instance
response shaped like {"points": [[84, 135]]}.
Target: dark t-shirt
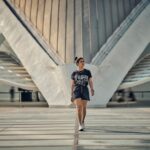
{"points": [[81, 78]]}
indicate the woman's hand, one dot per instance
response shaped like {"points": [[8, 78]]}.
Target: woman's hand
{"points": [[91, 86], [92, 92]]}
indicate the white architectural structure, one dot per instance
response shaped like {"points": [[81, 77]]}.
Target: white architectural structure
{"points": [[51, 74]]}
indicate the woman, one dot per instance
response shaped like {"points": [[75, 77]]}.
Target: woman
{"points": [[79, 90]]}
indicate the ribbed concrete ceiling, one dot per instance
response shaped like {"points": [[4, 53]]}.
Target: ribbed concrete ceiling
{"points": [[75, 27]]}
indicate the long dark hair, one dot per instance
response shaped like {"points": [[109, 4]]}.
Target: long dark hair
{"points": [[77, 60]]}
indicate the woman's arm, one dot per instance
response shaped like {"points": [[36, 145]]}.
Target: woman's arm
{"points": [[72, 87], [91, 86]]}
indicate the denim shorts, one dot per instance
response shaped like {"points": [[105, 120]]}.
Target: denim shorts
{"points": [[81, 92]]}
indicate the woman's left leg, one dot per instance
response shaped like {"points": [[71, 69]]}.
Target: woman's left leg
{"points": [[84, 105]]}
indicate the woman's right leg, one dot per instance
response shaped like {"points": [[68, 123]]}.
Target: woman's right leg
{"points": [[84, 105], [78, 103]]}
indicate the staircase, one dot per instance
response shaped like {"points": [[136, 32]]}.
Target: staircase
{"points": [[139, 74], [14, 74]]}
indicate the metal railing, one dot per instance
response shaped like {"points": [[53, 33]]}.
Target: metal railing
{"points": [[142, 94], [17, 97], [139, 95], [118, 33]]}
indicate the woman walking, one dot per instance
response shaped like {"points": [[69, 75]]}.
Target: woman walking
{"points": [[79, 90]]}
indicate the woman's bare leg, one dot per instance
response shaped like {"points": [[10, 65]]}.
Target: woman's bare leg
{"points": [[78, 103], [84, 105]]}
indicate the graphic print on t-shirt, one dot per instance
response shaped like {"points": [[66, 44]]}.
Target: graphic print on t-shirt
{"points": [[81, 79]]}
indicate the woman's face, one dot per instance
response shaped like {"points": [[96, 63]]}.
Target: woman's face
{"points": [[81, 63]]}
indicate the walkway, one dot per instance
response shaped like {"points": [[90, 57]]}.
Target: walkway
{"points": [[54, 129]]}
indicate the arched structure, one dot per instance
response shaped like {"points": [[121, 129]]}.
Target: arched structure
{"points": [[48, 55]]}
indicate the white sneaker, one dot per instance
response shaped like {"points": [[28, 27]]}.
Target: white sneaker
{"points": [[83, 125], [80, 127]]}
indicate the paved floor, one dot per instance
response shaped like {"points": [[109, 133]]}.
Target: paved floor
{"points": [[36, 128], [116, 129], [55, 129]]}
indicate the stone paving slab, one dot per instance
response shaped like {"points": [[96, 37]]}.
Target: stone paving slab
{"points": [[116, 137], [35, 137], [60, 131], [39, 148], [113, 147], [26, 143], [115, 142]]}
